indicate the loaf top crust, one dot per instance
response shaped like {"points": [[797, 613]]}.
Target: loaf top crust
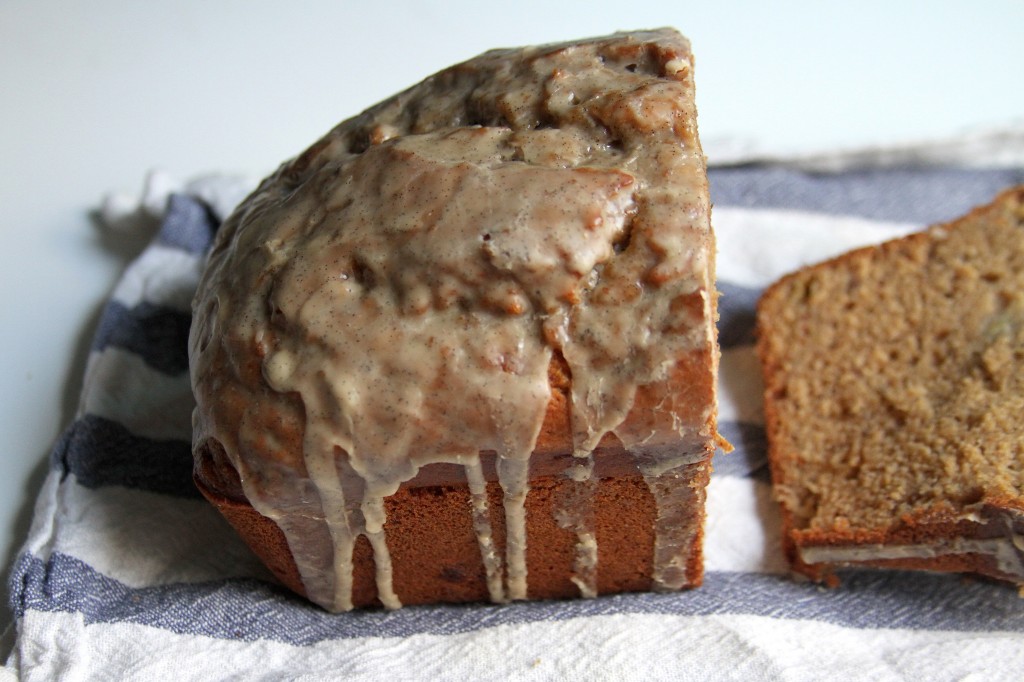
{"points": [[411, 275], [895, 384]]}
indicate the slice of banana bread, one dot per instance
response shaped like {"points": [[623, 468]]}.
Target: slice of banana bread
{"points": [[894, 401]]}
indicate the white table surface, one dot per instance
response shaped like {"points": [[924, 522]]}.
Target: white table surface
{"points": [[93, 95]]}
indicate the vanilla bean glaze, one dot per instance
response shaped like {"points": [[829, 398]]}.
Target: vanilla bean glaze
{"points": [[394, 298]]}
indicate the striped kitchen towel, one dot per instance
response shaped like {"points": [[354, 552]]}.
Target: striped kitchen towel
{"points": [[128, 574]]}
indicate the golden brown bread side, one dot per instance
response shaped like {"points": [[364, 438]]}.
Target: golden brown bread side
{"points": [[435, 553], [463, 347], [434, 547], [894, 386]]}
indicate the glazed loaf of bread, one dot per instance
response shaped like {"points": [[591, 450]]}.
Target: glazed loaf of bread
{"points": [[894, 396], [463, 347]]}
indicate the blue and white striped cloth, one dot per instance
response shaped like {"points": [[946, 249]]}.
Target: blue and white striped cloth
{"points": [[128, 574]]}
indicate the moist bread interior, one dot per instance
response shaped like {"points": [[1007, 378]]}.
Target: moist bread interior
{"points": [[895, 394]]}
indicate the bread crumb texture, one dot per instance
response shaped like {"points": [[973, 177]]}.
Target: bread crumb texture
{"points": [[894, 383]]}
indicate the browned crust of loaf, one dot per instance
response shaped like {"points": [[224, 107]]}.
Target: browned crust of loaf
{"points": [[934, 526], [689, 389], [1012, 195], [691, 383], [434, 550], [436, 558], [925, 528]]}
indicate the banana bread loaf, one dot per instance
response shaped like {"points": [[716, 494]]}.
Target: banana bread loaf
{"points": [[894, 399], [463, 347]]}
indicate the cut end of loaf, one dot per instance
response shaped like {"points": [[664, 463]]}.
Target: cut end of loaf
{"points": [[894, 390]]}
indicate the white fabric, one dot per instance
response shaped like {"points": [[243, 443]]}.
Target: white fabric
{"points": [[618, 647]]}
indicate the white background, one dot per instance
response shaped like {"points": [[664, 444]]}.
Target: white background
{"points": [[95, 94]]}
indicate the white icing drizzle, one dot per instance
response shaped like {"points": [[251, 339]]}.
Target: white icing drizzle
{"points": [[577, 514], [375, 518], [484, 534], [675, 499], [393, 299], [513, 474]]}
